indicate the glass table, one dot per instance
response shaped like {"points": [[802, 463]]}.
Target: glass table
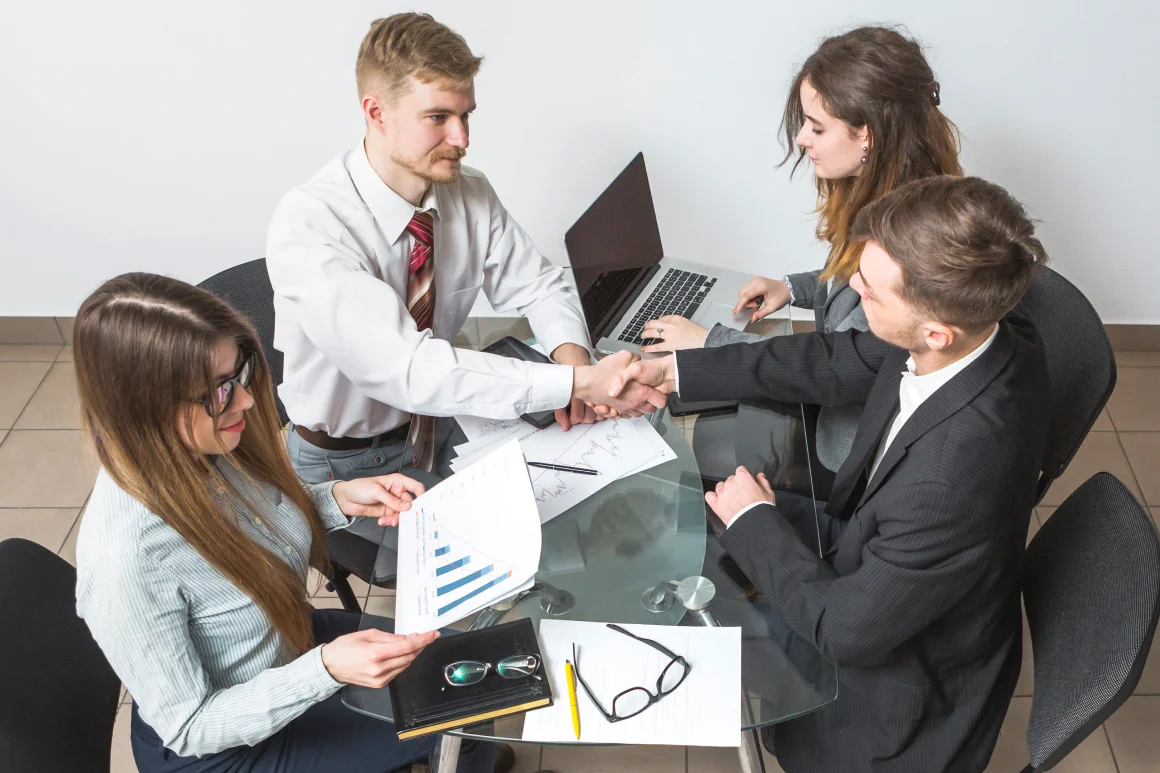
{"points": [[649, 553]]}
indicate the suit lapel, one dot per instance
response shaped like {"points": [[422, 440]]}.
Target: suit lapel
{"points": [[881, 407], [947, 401]]}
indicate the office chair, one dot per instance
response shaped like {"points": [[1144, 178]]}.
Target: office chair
{"points": [[1092, 592], [58, 694], [247, 288], [1081, 366]]}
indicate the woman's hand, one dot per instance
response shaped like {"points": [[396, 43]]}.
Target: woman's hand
{"points": [[774, 291], [383, 497], [673, 333], [372, 658]]}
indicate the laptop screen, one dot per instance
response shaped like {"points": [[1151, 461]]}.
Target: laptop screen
{"points": [[613, 243]]}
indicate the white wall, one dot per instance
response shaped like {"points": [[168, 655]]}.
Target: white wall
{"points": [[159, 136]]}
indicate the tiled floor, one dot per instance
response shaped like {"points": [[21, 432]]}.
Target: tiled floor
{"points": [[46, 474]]}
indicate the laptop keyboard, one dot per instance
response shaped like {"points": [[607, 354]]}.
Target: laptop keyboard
{"points": [[679, 292]]}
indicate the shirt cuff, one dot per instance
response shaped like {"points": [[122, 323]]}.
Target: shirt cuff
{"points": [[314, 674], [558, 335], [551, 387], [745, 510], [322, 495]]}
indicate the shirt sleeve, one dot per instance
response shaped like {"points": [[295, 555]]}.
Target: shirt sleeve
{"points": [[518, 278], [322, 495], [138, 615], [362, 326]]}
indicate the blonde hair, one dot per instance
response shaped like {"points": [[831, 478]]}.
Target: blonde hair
{"points": [[407, 44], [144, 346]]}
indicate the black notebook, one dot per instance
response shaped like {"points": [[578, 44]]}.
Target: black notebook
{"points": [[424, 703]]}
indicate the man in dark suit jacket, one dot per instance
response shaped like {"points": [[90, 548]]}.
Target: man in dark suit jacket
{"points": [[917, 598]]}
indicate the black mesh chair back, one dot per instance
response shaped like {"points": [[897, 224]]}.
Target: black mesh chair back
{"points": [[247, 288], [1081, 366], [1092, 592], [58, 695]]}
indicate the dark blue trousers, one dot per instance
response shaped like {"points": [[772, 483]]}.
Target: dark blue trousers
{"points": [[327, 737]]}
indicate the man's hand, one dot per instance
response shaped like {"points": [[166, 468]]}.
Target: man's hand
{"points": [[657, 373], [594, 385], [737, 493], [382, 497], [576, 412]]}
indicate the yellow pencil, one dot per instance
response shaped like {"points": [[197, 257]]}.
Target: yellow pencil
{"points": [[572, 697]]}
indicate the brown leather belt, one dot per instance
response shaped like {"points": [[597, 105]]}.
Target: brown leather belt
{"points": [[322, 440]]}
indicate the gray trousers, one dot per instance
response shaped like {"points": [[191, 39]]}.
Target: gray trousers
{"points": [[318, 465]]}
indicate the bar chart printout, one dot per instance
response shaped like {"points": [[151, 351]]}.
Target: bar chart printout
{"points": [[468, 542]]}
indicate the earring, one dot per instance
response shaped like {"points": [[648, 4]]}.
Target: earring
{"points": [[865, 149]]}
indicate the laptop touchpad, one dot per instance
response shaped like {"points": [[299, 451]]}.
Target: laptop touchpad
{"points": [[719, 312]]}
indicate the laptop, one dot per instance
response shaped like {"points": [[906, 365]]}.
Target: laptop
{"points": [[624, 278]]}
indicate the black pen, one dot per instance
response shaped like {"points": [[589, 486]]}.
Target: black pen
{"points": [[564, 468]]}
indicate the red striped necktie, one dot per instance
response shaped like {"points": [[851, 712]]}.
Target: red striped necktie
{"points": [[421, 305]]}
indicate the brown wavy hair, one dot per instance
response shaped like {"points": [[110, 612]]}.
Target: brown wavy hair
{"points": [[144, 347], [873, 77]]}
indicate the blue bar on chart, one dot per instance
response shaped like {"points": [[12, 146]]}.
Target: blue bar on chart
{"points": [[442, 551], [464, 580], [442, 570], [476, 592]]}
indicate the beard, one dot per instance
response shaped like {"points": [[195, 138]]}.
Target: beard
{"points": [[424, 166]]}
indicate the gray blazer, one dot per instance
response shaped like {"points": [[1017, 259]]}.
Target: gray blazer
{"points": [[837, 307]]}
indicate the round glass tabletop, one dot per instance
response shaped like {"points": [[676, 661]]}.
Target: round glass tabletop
{"points": [[618, 556]]}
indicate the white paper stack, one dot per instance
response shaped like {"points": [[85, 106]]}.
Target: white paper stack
{"points": [[468, 542], [615, 448]]}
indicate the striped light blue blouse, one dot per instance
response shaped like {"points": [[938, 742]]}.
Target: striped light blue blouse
{"points": [[197, 654]]}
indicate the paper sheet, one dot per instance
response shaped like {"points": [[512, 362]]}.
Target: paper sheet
{"points": [[703, 711], [615, 448], [467, 542]]}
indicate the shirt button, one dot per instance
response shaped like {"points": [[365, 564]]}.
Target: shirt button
{"points": [[257, 521], [288, 550], [221, 489]]}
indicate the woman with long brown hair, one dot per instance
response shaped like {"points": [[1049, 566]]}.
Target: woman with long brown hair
{"points": [[864, 109], [193, 554]]}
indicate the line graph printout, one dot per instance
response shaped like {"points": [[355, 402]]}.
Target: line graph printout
{"points": [[468, 542], [615, 448]]}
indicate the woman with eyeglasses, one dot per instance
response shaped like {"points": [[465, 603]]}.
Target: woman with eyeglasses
{"points": [[193, 554]]}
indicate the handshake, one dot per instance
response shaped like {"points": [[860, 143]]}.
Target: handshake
{"points": [[623, 384]]}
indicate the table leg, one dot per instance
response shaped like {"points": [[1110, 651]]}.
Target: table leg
{"points": [[447, 754], [750, 753]]}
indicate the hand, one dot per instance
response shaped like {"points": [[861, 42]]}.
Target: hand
{"points": [[383, 497], [674, 333], [576, 412], [592, 384], [372, 658], [657, 373], [775, 292], [737, 493]]}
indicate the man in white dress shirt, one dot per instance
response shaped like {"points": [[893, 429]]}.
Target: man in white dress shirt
{"points": [[376, 263]]}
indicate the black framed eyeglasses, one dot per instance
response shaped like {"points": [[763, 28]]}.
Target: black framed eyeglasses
{"points": [[634, 700], [219, 403], [462, 673]]}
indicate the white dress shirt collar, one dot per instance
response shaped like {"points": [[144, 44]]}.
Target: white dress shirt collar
{"points": [[391, 211], [922, 387]]}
